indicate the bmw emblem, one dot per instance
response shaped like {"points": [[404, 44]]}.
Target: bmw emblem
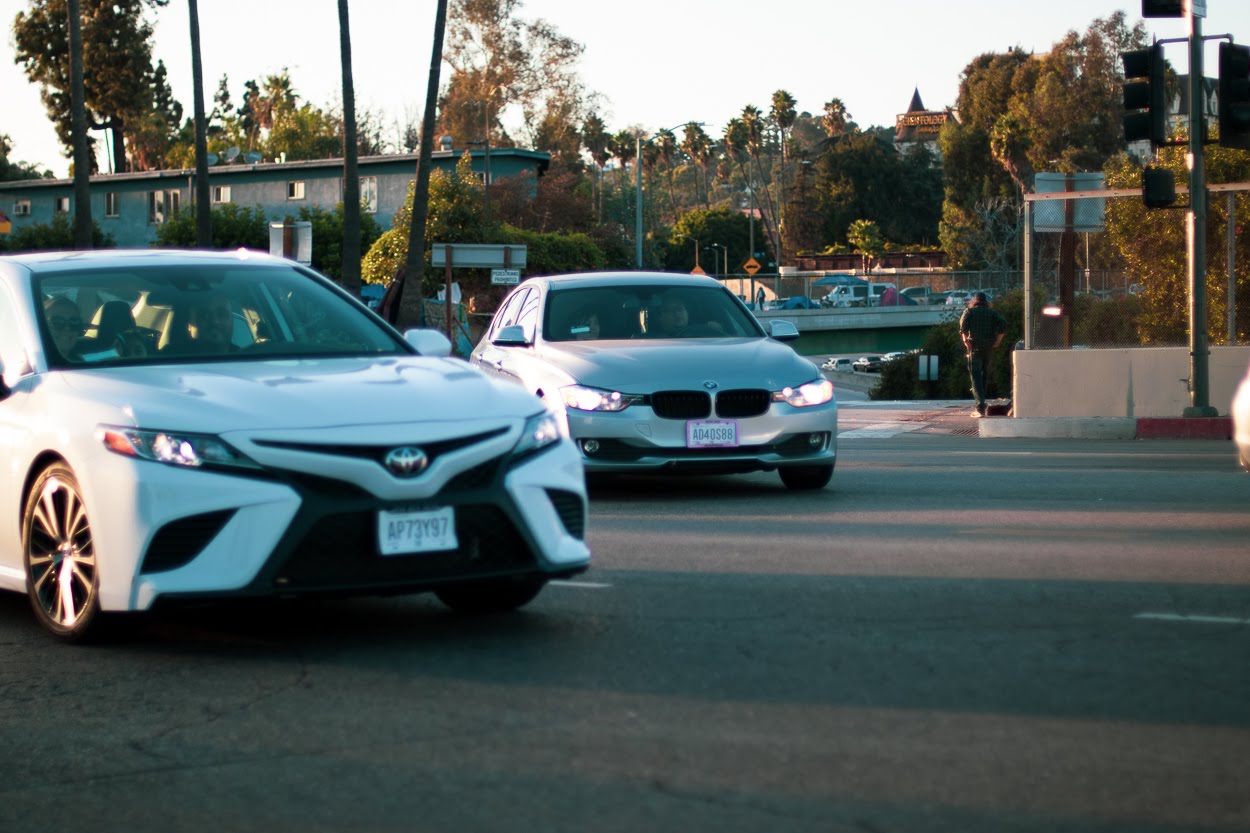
{"points": [[710, 385], [406, 461]]}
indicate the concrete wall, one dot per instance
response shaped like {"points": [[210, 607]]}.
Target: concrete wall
{"points": [[1136, 382]]}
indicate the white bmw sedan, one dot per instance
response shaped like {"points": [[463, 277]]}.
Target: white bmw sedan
{"points": [[191, 425], [662, 372]]}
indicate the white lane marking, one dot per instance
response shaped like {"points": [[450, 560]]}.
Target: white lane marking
{"points": [[1202, 618], [882, 430], [588, 585]]}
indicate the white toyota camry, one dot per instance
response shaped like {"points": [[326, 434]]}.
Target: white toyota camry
{"points": [[189, 425]]}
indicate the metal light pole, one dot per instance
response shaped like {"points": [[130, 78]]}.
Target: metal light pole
{"points": [[1199, 360]]}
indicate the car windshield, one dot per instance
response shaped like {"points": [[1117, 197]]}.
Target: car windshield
{"points": [[645, 312], [200, 313]]}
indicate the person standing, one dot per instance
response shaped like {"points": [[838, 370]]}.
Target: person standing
{"points": [[982, 329]]}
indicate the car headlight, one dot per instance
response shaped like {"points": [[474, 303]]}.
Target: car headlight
{"points": [[581, 398], [541, 430], [813, 393], [172, 447]]}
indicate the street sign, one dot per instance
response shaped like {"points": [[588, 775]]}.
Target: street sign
{"points": [[505, 277], [478, 255], [751, 266], [697, 270]]}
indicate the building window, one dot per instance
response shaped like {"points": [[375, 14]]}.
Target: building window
{"points": [[112, 204], [221, 194], [162, 205], [295, 190], [369, 194], [62, 205], [21, 208]]}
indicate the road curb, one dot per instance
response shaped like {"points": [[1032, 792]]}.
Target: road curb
{"points": [[1109, 428]]}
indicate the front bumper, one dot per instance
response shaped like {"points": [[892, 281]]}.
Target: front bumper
{"points": [[636, 440]]}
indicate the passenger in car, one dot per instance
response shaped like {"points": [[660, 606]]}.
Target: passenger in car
{"points": [[65, 323], [585, 325], [208, 328]]}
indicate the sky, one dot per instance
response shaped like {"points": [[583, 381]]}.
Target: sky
{"points": [[654, 63]]}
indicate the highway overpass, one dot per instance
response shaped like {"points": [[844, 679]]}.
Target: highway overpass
{"points": [[862, 329]]}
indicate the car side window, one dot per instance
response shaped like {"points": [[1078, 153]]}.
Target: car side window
{"points": [[527, 317], [12, 353], [507, 314]]}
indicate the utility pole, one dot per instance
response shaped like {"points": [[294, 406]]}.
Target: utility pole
{"points": [[1199, 351]]}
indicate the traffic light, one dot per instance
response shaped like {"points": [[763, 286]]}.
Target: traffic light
{"points": [[1145, 105], [1158, 187], [1162, 8], [1233, 96]]}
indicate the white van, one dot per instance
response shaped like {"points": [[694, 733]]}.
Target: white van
{"points": [[847, 295]]}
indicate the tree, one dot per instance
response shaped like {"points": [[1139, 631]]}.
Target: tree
{"points": [[499, 60], [203, 207], [595, 139], [1153, 248], [836, 119], [413, 263], [11, 171], [867, 240], [698, 146], [78, 118], [117, 57], [351, 178]]}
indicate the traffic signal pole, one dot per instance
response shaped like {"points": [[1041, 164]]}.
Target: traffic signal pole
{"points": [[1199, 350]]}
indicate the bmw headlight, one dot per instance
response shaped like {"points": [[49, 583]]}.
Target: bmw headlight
{"points": [[541, 430], [172, 447], [813, 393], [582, 398]]}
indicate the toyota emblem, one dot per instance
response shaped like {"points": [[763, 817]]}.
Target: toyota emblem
{"points": [[710, 385], [406, 461]]}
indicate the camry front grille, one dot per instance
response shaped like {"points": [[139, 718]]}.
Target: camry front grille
{"points": [[371, 451], [341, 550], [681, 404]]}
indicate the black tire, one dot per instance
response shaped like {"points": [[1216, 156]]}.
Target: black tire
{"points": [[496, 595], [806, 477], [59, 556]]}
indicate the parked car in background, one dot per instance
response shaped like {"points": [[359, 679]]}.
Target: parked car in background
{"points": [[1241, 421], [876, 290], [656, 372], [867, 364], [919, 294], [894, 356], [230, 424], [847, 295], [839, 363], [959, 297]]}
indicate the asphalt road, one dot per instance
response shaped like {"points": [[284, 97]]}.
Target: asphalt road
{"points": [[959, 635]]}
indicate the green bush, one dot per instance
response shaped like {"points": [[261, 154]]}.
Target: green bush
{"points": [[56, 236], [234, 227], [327, 237]]}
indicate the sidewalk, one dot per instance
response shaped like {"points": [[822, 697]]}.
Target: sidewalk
{"points": [[955, 416]]}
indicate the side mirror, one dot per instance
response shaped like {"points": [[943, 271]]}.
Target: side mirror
{"points": [[428, 342], [511, 336], [782, 330]]}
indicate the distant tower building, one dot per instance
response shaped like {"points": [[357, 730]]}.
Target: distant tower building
{"points": [[919, 126]]}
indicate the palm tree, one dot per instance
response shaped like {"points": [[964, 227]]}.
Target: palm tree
{"points": [[595, 139], [203, 210], [754, 144], [78, 116], [624, 146], [836, 118], [666, 151], [783, 114], [698, 146], [351, 179], [410, 302]]}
